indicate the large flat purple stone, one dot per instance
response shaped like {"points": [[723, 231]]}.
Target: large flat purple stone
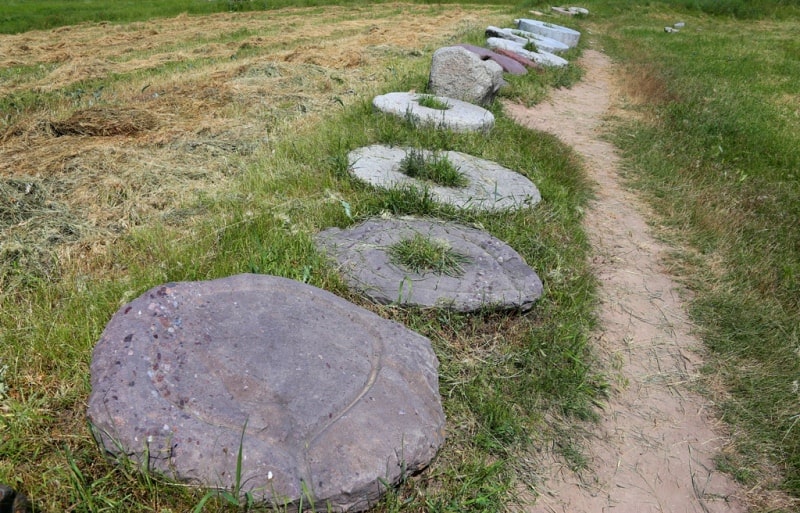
{"points": [[316, 392]]}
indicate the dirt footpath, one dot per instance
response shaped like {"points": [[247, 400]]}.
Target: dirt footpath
{"points": [[652, 451]]}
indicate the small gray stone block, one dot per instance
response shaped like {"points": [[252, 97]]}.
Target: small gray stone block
{"points": [[318, 394], [495, 276], [491, 186], [460, 117]]}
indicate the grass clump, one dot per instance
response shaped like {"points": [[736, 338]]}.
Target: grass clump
{"points": [[432, 102], [421, 254], [435, 167]]}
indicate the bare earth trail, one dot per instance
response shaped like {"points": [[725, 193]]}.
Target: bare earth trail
{"points": [[652, 450]]}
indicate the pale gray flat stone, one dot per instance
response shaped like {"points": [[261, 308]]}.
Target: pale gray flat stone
{"points": [[522, 37], [495, 275], [540, 56], [566, 35], [333, 397], [460, 117], [491, 186]]}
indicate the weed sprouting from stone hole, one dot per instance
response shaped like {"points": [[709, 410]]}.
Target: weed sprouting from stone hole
{"points": [[421, 254], [530, 46], [432, 102], [436, 168]]}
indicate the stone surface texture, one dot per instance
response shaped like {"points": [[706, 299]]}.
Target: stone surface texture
{"points": [[541, 57], [315, 392], [522, 60], [460, 117], [491, 186], [458, 73], [495, 276], [520, 36], [509, 65], [566, 35]]}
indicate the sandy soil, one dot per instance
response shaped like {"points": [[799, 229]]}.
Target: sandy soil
{"points": [[653, 449]]}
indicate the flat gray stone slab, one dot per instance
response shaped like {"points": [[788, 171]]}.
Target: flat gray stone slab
{"points": [[541, 57], [333, 397], [460, 117], [494, 276], [566, 35], [491, 186], [520, 36]]}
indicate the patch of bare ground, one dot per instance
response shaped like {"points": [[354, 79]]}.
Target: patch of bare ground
{"points": [[118, 126], [654, 447]]}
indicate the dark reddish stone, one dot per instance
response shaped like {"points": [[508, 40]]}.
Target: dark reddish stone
{"points": [[509, 65], [520, 59]]}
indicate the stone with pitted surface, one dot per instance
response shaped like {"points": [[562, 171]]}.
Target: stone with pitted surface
{"points": [[490, 186], [492, 274], [320, 396]]}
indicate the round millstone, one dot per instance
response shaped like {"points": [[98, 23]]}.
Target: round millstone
{"points": [[490, 187], [459, 117], [320, 396], [492, 274]]}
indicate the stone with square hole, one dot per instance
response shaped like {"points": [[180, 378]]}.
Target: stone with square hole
{"points": [[490, 186], [320, 397], [459, 116], [490, 275]]}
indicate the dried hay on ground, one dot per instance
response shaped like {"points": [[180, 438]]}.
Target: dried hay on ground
{"points": [[131, 123], [99, 121]]}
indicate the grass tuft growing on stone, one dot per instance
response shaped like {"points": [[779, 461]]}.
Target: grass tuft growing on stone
{"points": [[432, 102], [423, 255], [434, 167]]}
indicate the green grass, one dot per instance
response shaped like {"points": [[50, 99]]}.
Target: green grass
{"points": [[436, 168], [422, 255], [714, 143], [432, 102], [283, 193]]}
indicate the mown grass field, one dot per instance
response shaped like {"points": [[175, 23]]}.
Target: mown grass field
{"points": [[232, 154]]}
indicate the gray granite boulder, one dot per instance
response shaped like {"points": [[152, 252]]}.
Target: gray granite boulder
{"points": [[316, 393], [492, 275], [459, 116], [458, 73], [490, 186], [509, 65]]}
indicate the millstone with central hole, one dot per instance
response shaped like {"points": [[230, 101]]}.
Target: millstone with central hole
{"points": [[322, 398], [492, 274], [490, 186]]}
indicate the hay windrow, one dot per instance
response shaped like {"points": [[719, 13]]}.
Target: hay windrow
{"points": [[100, 121]]}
